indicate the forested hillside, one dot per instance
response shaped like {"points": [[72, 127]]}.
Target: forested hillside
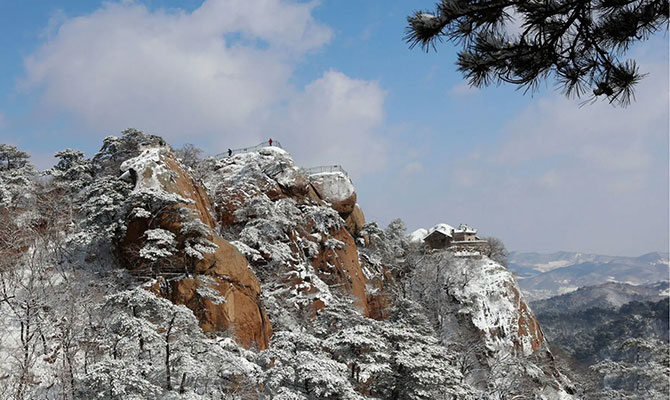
{"points": [[614, 337]]}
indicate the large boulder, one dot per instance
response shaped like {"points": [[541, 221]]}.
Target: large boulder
{"points": [[223, 293], [337, 189]]}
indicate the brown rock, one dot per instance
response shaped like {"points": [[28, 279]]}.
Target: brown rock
{"points": [[379, 306], [228, 262], [221, 305], [346, 206], [528, 324], [296, 187], [224, 294], [185, 186], [355, 220], [340, 267], [381, 285], [312, 196]]}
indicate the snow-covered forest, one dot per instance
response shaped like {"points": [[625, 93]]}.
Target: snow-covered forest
{"points": [[145, 273]]}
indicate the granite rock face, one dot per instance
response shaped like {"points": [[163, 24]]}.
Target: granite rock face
{"points": [[293, 222], [223, 291]]}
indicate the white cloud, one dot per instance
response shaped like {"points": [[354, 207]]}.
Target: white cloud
{"points": [[219, 75], [338, 115]]}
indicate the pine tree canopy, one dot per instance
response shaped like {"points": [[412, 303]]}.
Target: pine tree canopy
{"points": [[580, 43]]}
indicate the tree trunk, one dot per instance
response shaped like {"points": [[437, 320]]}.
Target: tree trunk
{"points": [[167, 353]]}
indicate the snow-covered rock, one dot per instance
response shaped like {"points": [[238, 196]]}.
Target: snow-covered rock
{"points": [[337, 189], [286, 227], [234, 181], [202, 262], [171, 221], [488, 293]]}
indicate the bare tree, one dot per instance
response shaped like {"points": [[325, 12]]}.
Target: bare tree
{"points": [[189, 155], [25, 293], [467, 352], [496, 251], [168, 371], [39, 294]]}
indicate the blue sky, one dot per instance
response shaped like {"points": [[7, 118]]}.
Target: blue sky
{"points": [[335, 83]]}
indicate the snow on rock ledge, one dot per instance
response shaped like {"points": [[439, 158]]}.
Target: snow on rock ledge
{"points": [[234, 181]]}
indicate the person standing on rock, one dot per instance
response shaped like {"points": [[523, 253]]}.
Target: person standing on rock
{"points": [[230, 152], [270, 141]]}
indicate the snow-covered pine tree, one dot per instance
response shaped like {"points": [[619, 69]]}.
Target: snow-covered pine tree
{"points": [[12, 158]]}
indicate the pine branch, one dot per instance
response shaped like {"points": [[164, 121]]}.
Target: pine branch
{"points": [[576, 42]]}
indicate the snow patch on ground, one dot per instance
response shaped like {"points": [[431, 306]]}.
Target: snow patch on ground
{"points": [[273, 150]]}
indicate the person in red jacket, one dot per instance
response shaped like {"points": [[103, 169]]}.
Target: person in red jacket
{"points": [[270, 141]]}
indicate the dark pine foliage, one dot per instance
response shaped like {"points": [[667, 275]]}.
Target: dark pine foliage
{"points": [[580, 43]]}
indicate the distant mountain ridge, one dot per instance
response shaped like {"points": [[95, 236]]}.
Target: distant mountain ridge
{"points": [[547, 262], [605, 296], [546, 275]]}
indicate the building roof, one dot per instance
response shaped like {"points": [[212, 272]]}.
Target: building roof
{"points": [[444, 229]]}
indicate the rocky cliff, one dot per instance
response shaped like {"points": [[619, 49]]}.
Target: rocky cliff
{"points": [[221, 289], [257, 279], [302, 228], [289, 224], [489, 295]]}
